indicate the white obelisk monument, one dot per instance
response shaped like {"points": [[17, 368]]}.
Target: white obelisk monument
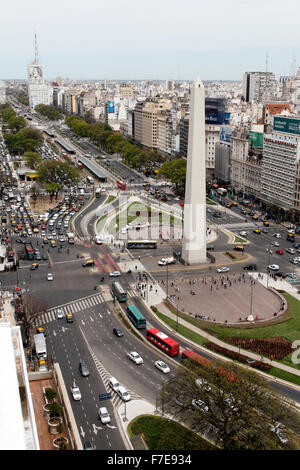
{"points": [[194, 238]]}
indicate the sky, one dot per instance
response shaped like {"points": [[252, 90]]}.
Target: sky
{"points": [[149, 39]]}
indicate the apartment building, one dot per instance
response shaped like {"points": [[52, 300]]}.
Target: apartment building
{"points": [[280, 166], [256, 86]]}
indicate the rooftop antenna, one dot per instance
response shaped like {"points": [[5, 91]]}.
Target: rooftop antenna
{"points": [[36, 56]]}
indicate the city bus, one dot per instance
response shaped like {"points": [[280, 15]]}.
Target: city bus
{"points": [[121, 184], [141, 244], [197, 358], [163, 342], [136, 317], [98, 192], [118, 291]]}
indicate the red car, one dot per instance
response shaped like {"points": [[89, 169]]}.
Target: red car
{"points": [[280, 252], [44, 227]]}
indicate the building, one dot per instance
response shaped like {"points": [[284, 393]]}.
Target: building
{"points": [[2, 93], [280, 177], [274, 109], [257, 86], [222, 162], [38, 90]]}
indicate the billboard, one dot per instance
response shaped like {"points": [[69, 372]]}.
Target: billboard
{"points": [[110, 106], [225, 133], [286, 124], [256, 139]]}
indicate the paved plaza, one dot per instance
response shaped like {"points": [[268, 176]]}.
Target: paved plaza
{"points": [[224, 298]]}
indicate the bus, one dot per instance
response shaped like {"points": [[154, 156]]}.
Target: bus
{"points": [[118, 291], [141, 244], [136, 317], [121, 184], [98, 192], [163, 342], [222, 191], [195, 357]]}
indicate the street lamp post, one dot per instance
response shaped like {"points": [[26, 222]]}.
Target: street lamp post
{"points": [[177, 314]]}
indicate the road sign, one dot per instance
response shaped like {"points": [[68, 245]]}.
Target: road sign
{"points": [[104, 396]]}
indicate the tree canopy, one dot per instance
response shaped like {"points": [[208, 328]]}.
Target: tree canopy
{"points": [[235, 406], [48, 111]]}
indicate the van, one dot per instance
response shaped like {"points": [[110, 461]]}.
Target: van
{"points": [[123, 393], [114, 384], [81, 192]]}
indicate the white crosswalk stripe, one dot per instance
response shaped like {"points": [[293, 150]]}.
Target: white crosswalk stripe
{"points": [[72, 307]]}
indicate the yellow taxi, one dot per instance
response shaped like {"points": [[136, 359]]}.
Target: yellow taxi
{"points": [[266, 223], [88, 262], [239, 248], [234, 203], [256, 231], [53, 243], [35, 229], [255, 217], [45, 240]]}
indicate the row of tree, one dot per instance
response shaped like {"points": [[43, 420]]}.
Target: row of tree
{"points": [[103, 136], [49, 112]]}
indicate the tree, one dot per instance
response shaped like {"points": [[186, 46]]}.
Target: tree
{"points": [[60, 173], [15, 123], [32, 159], [236, 405], [52, 189], [34, 193], [32, 307], [174, 171], [49, 111]]}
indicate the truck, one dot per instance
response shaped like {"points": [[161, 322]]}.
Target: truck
{"points": [[71, 238], [40, 346], [29, 250], [166, 261]]}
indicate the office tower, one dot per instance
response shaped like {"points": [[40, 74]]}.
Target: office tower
{"points": [[38, 90]]}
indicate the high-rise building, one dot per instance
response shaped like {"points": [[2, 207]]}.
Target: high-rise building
{"points": [[2, 93], [280, 176], [38, 90], [258, 86]]}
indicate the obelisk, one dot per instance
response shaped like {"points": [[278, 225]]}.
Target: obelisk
{"points": [[194, 238]]}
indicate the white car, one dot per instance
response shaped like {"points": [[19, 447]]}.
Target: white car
{"points": [[200, 405], [62, 239], [277, 235], [75, 392], [224, 269], [292, 251], [98, 240], [50, 277], [162, 366], [275, 243], [49, 236], [202, 384], [104, 415], [273, 267], [291, 230], [243, 233], [135, 357], [115, 273], [59, 313]]}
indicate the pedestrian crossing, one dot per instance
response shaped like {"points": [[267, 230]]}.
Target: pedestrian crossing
{"points": [[71, 307], [74, 307]]}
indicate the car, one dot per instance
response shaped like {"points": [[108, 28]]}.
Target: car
{"points": [[88, 262], [250, 267], [200, 405], [293, 260], [104, 415], [75, 392], [44, 257], [162, 366], [84, 369], [291, 230], [98, 240], [280, 252], [115, 273], [292, 251], [277, 235], [89, 446], [38, 256], [280, 274], [59, 313], [210, 247], [276, 429], [224, 269], [203, 384], [273, 267], [257, 231], [243, 233], [123, 393], [49, 236], [50, 277], [239, 248], [135, 357], [62, 239], [275, 243], [296, 245], [118, 332], [34, 266]]}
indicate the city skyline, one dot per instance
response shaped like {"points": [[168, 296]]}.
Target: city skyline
{"points": [[218, 41]]}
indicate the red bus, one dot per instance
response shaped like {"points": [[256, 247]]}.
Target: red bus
{"points": [[189, 354], [121, 184], [163, 342]]}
